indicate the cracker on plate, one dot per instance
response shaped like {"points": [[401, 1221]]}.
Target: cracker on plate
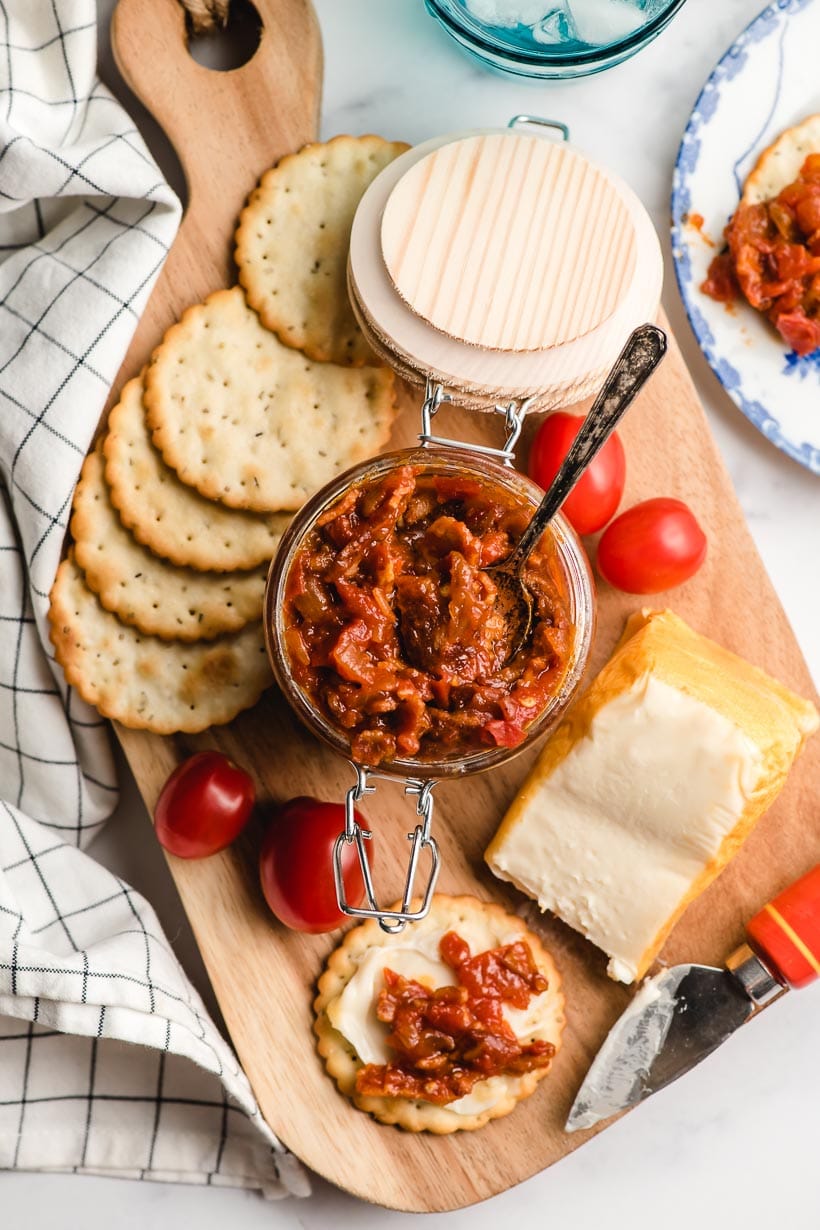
{"points": [[146, 683], [293, 239], [155, 596], [254, 423], [169, 517], [780, 163], [468, 916]]}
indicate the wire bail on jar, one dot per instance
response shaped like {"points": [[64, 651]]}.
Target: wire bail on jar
{"points": [[435, 396], [391, 921], [538, 121]]}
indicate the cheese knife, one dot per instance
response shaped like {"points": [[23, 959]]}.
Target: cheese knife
{"points": [[680, 1016]]}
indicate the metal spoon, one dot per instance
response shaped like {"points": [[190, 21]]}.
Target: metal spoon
{"points": [[638, 359]]}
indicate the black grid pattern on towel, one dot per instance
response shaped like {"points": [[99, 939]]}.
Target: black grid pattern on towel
{"points": [[96, 1092], [85, 971], [59, 944]]}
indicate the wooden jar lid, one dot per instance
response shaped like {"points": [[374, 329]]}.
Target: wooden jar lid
{"points": [[508, 241], [481, 377]]}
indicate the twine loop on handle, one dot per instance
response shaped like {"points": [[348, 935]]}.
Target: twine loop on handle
{"points": [[206, 16]]}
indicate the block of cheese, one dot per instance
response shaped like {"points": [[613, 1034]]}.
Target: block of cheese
{"points": [[648, 787]]}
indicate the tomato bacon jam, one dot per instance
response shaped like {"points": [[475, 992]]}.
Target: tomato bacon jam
{"points": [[449, 1039], [773, 259], [392, 628]]}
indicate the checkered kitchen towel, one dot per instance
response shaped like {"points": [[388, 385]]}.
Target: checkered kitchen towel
{"points": [[108, 1060]]}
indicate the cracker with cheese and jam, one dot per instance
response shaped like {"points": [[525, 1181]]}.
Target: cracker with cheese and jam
{"points": [[444, 1026]]}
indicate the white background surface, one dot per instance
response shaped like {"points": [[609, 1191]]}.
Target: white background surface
{"points": [[738, 1141]]}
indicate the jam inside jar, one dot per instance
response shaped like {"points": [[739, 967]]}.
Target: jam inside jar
{"points": [[383, 625]]}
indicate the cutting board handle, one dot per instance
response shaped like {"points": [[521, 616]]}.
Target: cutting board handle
{"points": [[213, 118], [786, 932], [227, 129]]}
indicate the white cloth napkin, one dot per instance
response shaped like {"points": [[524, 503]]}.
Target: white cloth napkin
{"points": [[109, 1062]]}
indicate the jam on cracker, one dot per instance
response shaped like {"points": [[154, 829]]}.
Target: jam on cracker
{"points": [[773, 259], [447, 1040]]}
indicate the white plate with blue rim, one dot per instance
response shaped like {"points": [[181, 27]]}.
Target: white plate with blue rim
{"points": [[766, 81]]}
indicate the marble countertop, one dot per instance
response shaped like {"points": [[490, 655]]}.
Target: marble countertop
{"points": [[742, 1129]]}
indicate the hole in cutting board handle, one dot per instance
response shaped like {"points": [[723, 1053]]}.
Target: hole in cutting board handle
{"points": [[224, 50]]}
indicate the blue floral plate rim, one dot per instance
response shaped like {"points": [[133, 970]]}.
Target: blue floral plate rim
{"points": [[772, 21]]}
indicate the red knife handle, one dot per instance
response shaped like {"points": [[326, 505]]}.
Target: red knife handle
{"points": [[786, 932]]}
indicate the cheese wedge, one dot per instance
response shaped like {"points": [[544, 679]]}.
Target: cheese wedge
{"points": [[648, 787]]}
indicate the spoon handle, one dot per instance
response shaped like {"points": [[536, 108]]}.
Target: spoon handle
{"points": [[640, 356]]}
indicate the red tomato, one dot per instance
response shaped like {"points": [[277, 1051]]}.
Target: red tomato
{"points": [[296, 865], [652, 546], [203, 806], [598, 492]]}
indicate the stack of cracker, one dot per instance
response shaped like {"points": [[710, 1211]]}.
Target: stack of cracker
{"points": [[252, 401]]}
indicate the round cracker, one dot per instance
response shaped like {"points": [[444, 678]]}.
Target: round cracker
{"points": [[146, 683], [780, 163], [145, 591], [293, 240], [446, 914], [254, 423], [169, 517]]}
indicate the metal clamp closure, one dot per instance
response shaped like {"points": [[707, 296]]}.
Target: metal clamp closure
{"points": [[435, 396], [391, 921], [519, 121]]}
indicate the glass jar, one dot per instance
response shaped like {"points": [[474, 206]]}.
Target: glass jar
{"points": [[505, 49], [488, 466]]}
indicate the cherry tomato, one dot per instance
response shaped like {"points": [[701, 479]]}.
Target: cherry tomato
{"points": [[296, 865], [598, 492], [652, 546], [203, 806]]}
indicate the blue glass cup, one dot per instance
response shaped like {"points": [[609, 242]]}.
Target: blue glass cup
{"points": [[552, 48]]}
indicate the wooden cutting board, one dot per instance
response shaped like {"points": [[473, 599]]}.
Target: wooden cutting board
{"points": [[227, 128]]}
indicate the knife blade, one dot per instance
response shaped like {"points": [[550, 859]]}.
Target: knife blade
{"points": [[681, 1015], [676, 1019]]}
